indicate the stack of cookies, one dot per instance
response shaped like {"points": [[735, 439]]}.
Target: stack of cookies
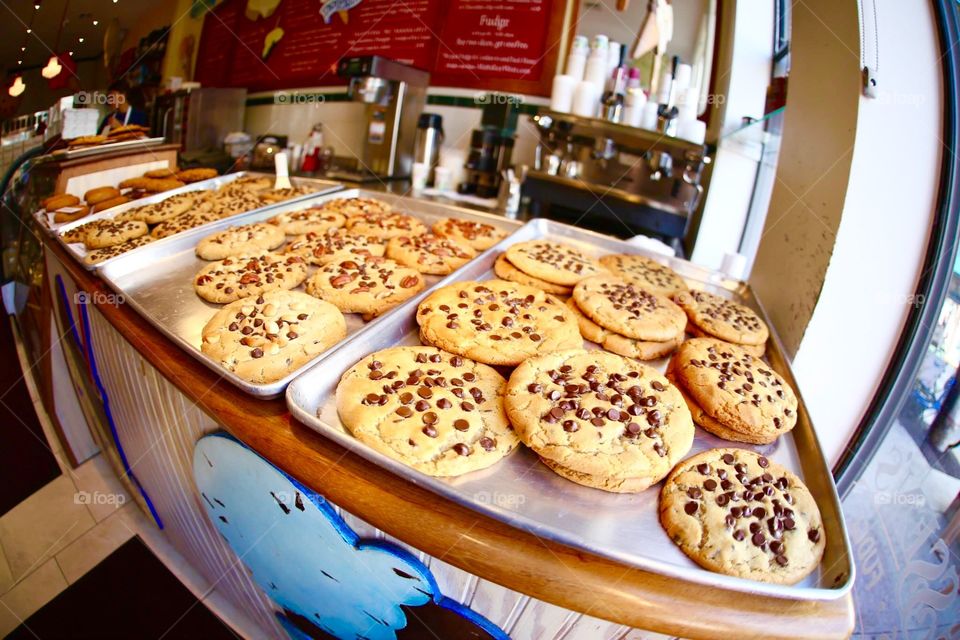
{"points": [[715, 317], [552, 267], [626, 319], [731, 393]]}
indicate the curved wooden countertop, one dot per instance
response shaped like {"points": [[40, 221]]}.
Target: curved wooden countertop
{"points": [[486, 547]]}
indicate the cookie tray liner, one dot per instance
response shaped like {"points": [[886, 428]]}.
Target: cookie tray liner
{"points": [[524, 493], [157, 279], [77, 249]]}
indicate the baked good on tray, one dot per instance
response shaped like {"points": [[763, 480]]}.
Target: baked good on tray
{"points": [[736, 512], [112, 233], [242, 240], [599, 419], [477, 235], [715, 317], [429, 253], [242, 276], [353, 207], [437, 412], [506, 271], [553, 262], [264, 337], [370, 285], [731, 393], [622, 307], [99, 255], [496, 322], [385, 225], [321, 248], [182, 222], [309, 220], [620, 344], [645, 272]]}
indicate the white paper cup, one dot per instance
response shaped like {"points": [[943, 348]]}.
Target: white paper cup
{"points": [[419, 175]]}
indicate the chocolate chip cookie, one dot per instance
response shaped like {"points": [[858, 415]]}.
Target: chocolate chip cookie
{"points": [[599, 419], [79, 232], [111, 233], [385, 225], [242, 276], [281, 195], [626, 309], [479, 236], [429, 253], [364, 284], [554, 262], [168, 208], [99, 255], [645, 272], [731, 393], [183, 222], [310, 220], [263, 338], [507, 271], [238, 241], [321, 248], [621, 345], [439, 413], [736, 512], [496, 322], [353, 207], [724, 319]]}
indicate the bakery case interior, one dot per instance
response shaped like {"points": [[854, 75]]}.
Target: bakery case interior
{"points": [[580, 319]]}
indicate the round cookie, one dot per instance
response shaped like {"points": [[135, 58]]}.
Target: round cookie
{"points": [[247, 183], [103, 205], [281, 195], [552, 261], [753, 349], [100, 194], [236, 241], [507, 271], [241, 276], [112, 233], [353, 207], [100, 255], [263, 338], [385, 225], [225, 205], [183, 222], [622, 345], [479, 236], [440, 413], [626, 309], [168, 208], [196, 175], [310, 220], [722, 318], [599, 419], [645, 272], [79, 232], [736, 512], [731, 393], [496, 322], [429, 253], [320, 248], [364, 284]]}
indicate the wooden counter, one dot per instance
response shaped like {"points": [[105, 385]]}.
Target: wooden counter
{"points": [[459, 536]]}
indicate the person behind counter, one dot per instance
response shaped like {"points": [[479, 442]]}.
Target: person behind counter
{"points": [[126, 111]]}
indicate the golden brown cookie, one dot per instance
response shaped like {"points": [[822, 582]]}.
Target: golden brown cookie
{"points": [[100, 194], [101, 255], [182, 222], [622, 345], [645, 272], [722, 318], [69, 214], [241, 276], [112, 233], [60, 201], [196, 175], [103, 205], [507, 271], [238, 241], [429, 253], [364, 284], [320, 248], [309, 220], [479, 236], [626, 309], [553, 261], [385, 225]]}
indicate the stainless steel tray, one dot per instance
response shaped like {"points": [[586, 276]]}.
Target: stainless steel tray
{"points": [[77, 249], [95, 150], [157, 279], [524, 493]]}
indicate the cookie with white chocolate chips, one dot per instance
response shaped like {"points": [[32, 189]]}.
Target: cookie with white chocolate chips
{"points": [[477, 235], [552, 261], [496, 322], [627, 309], [731, 393], [369, 285], [429, 253], [241, 276], [599, 419], [263, 338], [437, 412], [736, 512], [727, 320]]}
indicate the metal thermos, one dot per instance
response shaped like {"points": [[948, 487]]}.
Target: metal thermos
{"points": [[428, 141]]}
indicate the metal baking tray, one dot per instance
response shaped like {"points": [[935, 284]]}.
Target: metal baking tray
{"points": [[106, 147], [322, 187], [524, 493], [157, 279]]}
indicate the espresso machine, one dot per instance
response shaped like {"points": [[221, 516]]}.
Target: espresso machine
{"points": [[393, 95]]}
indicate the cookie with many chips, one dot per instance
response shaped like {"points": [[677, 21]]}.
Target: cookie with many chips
{"points": [[242, 276]]}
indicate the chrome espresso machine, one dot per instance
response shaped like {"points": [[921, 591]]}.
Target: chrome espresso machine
{"points": [[393, 95], [614, 178]]}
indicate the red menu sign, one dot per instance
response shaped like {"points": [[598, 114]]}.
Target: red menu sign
{"points": [[506, 45]]}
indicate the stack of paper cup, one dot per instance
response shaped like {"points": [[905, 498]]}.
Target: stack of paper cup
{"points": [[586, 99], [577, 60], [561, 98]]}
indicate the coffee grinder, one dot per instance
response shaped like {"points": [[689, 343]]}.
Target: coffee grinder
{"points": [[491, 147], [393, 95]]}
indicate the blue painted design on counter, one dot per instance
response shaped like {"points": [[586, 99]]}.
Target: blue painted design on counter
{"points": [[321, 575], [105, 400]]}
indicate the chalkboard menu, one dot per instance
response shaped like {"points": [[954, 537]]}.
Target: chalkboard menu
{"points": [[503, 45]]}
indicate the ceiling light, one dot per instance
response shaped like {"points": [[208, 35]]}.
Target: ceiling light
{"points": [[53, 68], [17, 87]]}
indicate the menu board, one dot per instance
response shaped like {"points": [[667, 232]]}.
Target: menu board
{"points": [[505, 45]]}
